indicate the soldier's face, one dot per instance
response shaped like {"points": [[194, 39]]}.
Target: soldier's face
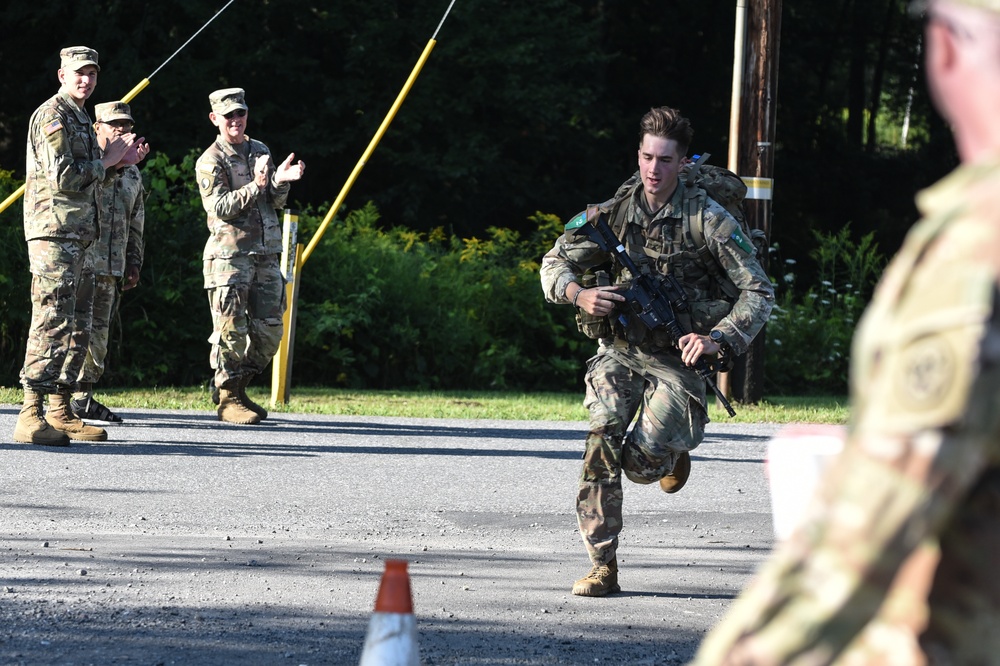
{"points": [[232, 126], [659, 163], [79, 83]]}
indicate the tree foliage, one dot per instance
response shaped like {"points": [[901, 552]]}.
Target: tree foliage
{"points": [[521, 108]]}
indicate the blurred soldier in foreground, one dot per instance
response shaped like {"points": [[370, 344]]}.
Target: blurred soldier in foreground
{"points": [[63, 174], [116, 255], [920, 473], [241, 190], [645, 372]]}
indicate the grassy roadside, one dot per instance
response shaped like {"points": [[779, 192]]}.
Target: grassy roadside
{"points": [[454, 404]]}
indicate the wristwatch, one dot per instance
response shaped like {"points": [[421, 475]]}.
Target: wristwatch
{"points": [[716, 337]]}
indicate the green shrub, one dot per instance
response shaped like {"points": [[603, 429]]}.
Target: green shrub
{"points": [[15, 283], [809, 334], [385, 307]]}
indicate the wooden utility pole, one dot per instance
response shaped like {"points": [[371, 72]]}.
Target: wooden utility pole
{"points": [[755, 157]]}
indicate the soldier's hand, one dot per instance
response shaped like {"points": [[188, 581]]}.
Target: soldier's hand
{"points": [[131, 277], [288, 171], [599, 301], [137, 150], [260, 175], [114, 150], [692, 346]]}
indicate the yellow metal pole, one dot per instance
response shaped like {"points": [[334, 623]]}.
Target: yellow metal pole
{"points": [[291, 267], [15, 195], [371, 148], [135, 91]]}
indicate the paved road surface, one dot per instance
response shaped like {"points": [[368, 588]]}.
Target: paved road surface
{"points": [[188, 541]]}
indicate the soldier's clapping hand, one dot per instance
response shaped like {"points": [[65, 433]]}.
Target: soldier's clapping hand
{"points": [[137, 150], [287, 171]]}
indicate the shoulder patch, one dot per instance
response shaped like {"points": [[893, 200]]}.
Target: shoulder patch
{"points": [[742, 241], [52, 127]]}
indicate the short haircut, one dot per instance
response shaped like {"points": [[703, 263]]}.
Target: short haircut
{"points": [[667, 123]]}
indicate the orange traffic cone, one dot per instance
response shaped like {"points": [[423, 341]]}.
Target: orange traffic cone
{"points": [[392, 630]]}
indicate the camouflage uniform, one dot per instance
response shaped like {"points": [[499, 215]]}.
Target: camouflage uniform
{"points": [[122, 221], [646, 377], [919, 478], [246, 290], [63, 178]]}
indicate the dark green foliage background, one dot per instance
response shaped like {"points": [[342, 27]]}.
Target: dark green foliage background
{"points": [[522, 107]]}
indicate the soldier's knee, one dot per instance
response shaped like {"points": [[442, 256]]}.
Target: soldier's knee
{"points": [[602, 458]]}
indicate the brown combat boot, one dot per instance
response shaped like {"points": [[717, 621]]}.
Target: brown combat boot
{"points": [[678, 476], [62, 418], [247, 402], [31, 428], [601, 581], [232, 410]]}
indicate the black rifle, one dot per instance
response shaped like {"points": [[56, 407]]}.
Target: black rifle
{"points": [[651, 299]]}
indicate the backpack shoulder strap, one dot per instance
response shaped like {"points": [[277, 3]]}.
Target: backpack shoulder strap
{"points": [[693, 219]]}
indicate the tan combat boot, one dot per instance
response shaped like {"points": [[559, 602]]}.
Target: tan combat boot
{"points": [[232, 410], [678, 476], [601, 581], [31, 428], [245, 399], [62, 418]]}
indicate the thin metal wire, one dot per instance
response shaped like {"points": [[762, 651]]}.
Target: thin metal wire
{"points": [[446, 12], [190, 38]]}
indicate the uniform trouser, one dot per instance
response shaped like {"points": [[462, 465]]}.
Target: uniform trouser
{"points": [[246, 322], [670, 402], [61, 305], [105, 297]]}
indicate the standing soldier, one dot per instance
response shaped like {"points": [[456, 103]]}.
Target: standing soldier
{"points": [[242, 190], [63, 173], [116, 255], [919, 479]]}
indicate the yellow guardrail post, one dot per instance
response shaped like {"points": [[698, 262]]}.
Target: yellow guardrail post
{"points": [[291, 268]]}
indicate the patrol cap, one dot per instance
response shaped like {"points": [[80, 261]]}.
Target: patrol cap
{"points": [[111, 111], [228, 99], [75, 57], [918, 7]]}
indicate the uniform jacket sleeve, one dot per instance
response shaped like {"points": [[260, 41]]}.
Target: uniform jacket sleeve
{"points": [[69, 167], [737, 256], [135, 250], [222, 198], [568, 259]]}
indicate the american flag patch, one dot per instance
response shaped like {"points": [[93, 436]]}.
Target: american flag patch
{"points": [[54, 126]]}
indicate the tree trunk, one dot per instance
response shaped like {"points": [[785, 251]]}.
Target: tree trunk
{"points": [[875, 101], [856, 74]]}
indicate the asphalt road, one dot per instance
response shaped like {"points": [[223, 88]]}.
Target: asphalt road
{"points": [[187, 541]]}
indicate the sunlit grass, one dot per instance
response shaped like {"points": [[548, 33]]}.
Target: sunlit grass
{"points": [[453, 404]]}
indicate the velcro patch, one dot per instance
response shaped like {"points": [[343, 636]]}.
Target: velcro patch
{"points": [[52, 127], [742, 241]]}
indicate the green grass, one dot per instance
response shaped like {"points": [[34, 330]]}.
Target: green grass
{"points": [[453, 404]]}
